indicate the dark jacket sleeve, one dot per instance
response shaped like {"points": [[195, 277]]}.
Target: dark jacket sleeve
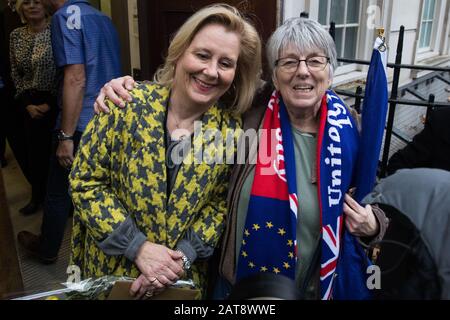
{"points": [[415, 155], [430, 148]]}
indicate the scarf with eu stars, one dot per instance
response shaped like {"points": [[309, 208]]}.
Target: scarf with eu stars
{"points": [[269, 244]]}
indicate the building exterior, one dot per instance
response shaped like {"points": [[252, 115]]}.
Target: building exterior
{"points": [[145, 27], [426, 39]]}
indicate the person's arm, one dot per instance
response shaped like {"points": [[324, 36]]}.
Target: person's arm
{"points": [[12, 58], [94, 201], [102, 212], [360, 221], [383, 223], [193, 247], [73, 93], [23, 97]]}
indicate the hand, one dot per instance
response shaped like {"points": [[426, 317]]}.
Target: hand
{"points": [[44, 108], [119, 86], [159, 265], [65, 153], [360, 221], [34, 112], [142, 288]]}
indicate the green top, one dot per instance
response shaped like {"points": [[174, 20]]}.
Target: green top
{"points": [[308, 225]]}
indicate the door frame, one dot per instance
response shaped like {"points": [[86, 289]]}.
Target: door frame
{"points": [[119, 13], [150, 61]]}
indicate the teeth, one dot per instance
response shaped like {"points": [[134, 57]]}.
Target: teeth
{"points": [[203, 83], [303, 88]]}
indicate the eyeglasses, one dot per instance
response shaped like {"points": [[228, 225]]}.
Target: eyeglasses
{"points": [[316, 63], [29, 2]]}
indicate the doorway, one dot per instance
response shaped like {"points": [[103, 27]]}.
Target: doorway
{"points": [[159, 20]]}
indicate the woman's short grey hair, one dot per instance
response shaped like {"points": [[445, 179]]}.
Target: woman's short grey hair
{"points": [[304, 34]]}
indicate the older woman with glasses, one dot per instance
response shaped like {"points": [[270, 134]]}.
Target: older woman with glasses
{"points": [[288, 201], [294, 202]]}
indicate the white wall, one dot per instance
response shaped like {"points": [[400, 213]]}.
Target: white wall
{"points": [[405, 12], [293, 8], [446, 36], [394, 13]]}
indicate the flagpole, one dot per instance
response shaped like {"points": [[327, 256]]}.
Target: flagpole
{"points": [[374, 112]]}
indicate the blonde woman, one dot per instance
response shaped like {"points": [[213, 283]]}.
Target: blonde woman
{"points": [[138, 212]]}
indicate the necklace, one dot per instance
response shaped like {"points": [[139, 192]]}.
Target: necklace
{"points": [[177, 123], [182, 132]]}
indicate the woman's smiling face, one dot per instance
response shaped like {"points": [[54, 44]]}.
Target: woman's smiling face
{"points": [[33, 10], [206, 70], [302, 87]]}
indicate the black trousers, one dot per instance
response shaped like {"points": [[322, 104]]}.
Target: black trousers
{"points": [[13, 128], [38, 136], [37, 140]]}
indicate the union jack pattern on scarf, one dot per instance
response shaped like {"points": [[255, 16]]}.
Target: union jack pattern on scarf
{"points": [[328, 269]]}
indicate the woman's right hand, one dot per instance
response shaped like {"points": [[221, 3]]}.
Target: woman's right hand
{"points": [[160, 265], [117, 91], [34, 112], [143, 289]]}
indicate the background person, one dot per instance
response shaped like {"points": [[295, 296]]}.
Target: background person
{"points": [[13, 116], [302, 56], [88, 55], [33, 71]]}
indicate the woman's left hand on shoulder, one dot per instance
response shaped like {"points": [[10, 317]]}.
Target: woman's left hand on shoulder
{"points": [[360, 221], [117, 90]]}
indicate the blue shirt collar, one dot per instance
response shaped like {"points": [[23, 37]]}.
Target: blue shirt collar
{"points": [[72, 2]]}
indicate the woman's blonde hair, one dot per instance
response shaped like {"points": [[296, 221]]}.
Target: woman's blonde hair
{"points": [[19, 9], [248, 69]]}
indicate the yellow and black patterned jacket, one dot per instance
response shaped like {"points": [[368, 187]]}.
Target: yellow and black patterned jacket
{"points": [[120, 171]]}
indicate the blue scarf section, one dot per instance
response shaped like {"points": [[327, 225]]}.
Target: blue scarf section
{"points": [[269, 243]]}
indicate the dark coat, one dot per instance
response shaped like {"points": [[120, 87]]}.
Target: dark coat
{"points": [[8, 22], [429, 149], [414, 259]]}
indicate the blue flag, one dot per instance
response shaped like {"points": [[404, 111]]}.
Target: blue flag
{"points": [[351, 283], [374, 114]]}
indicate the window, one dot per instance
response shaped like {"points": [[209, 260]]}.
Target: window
{"points": [[427, 24], [345, 14]]}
